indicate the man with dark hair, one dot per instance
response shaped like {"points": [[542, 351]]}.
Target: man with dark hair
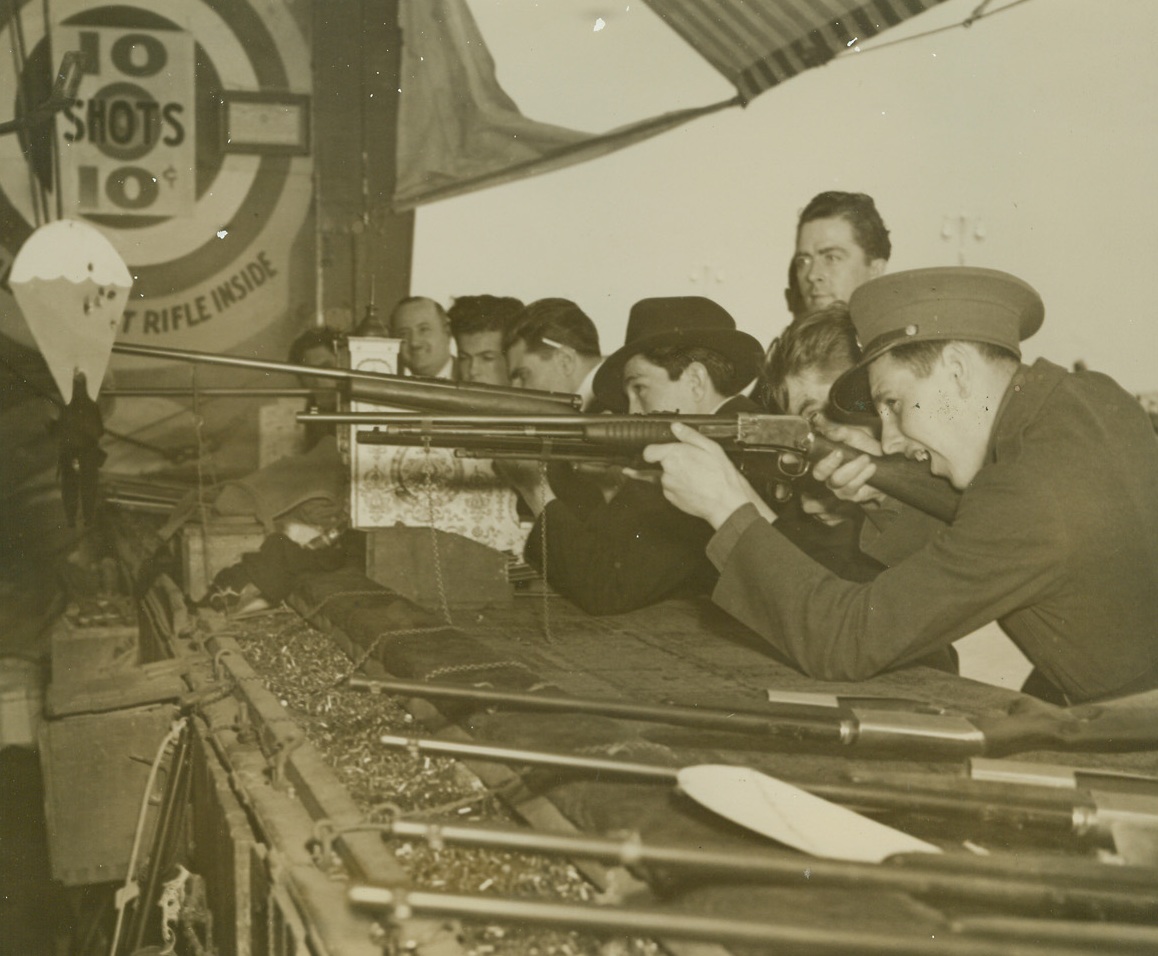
{"points": [[424, 329], [553, 346], [800, 367], [802, 364], [793, 298], [841, 243], [317, 347], [681, 355], [479, 324], [1056, 535]]}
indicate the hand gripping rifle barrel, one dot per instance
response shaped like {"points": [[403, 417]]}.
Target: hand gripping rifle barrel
{"points": [[424, 394]]}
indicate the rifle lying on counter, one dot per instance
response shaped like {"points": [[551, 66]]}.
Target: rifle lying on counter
{"points": [[889, 727], [967, 936], [1076, 889], [426, 394], [757, 443], [1128, 821]]}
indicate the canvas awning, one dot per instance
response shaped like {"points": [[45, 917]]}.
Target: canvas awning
{"points": [[459, 131], [756, 44]]}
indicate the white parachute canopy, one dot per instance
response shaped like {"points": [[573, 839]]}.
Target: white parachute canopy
{"points": [[72, 286], [795, 817]]}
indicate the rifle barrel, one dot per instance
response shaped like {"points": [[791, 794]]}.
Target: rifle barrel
{"points": [[210, 392], [987, 805], [425, 394], [575, 423], [1087, 895], [601, 765], [772, 936], [798, 721], [860, 727]]}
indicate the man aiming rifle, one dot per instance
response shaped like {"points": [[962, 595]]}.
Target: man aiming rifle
{"points": [[1056, 536]]}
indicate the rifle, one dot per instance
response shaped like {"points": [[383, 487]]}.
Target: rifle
{"points": [[379, 388], [1080, 890], [888, 727], [755, 442], [1125, 821], [1008, 937]]}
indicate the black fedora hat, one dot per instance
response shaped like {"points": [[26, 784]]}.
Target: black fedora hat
{"points": [[688, 320]]}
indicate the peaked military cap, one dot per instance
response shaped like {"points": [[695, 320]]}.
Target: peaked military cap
{"points": [[934, 305]]}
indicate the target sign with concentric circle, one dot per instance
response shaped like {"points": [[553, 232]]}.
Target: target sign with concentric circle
{"points": [[187, 145]]}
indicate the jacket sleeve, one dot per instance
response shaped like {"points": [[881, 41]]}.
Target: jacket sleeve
{"points": [[999, 555], [631, 552], [894, 531]]}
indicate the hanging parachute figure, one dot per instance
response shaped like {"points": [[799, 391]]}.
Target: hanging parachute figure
{"points": [[78, 433], [72, 286]]}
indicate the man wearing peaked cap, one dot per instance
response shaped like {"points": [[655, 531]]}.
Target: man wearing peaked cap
{"points": [[935, 305], [684, 355], [1056, 534]]}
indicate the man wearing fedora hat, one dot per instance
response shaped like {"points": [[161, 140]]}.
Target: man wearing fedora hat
{"points": [[670, 336], [1056, 535], [681, 354]]}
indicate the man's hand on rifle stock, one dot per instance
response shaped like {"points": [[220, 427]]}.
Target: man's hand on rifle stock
{"points": [[847, 480], [699, 478]]}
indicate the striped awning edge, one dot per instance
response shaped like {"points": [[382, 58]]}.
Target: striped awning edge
{"points": [[756, 44]]}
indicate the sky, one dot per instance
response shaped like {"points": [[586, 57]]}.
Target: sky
{"points": [[1026, 142]]}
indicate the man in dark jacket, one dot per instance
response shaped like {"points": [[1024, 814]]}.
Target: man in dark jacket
{"points": [[1056, 535], [681, 355], [553, 345]]}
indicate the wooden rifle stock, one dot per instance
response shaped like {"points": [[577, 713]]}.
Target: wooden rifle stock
{"points": [[907, 481]]}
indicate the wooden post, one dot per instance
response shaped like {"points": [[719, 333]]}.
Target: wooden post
{"points": [[366, 248]]}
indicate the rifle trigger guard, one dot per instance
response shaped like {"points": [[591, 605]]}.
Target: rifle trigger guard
{"points": [[799, 471]]}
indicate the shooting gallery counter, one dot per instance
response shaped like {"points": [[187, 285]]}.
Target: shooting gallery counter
{"points": [[688, 652], [290, 803]]}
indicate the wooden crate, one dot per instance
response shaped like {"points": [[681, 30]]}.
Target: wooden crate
{"points": [[203, 555], [21, 701], [80, 653], [95, 770]]}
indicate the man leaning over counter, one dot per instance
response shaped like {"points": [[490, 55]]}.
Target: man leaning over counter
{"points": [[1056, 535]]}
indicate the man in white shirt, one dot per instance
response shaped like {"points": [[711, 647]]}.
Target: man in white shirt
{"points": [[424, 329], [554, 346]]}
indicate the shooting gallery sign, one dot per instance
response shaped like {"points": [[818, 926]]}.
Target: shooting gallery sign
{"points": [[187, 146], [127, 143]]}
